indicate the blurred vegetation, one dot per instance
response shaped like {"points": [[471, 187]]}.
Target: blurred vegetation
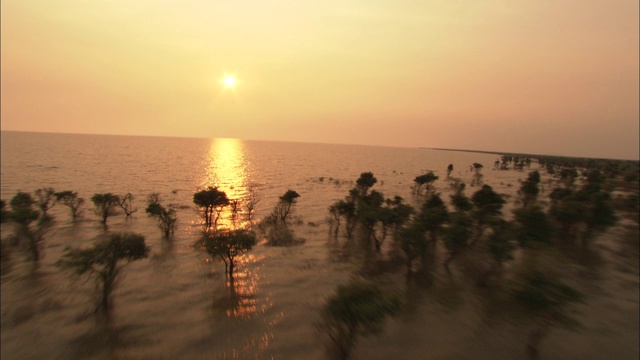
{"points": [[104, 261], [358, 309]]}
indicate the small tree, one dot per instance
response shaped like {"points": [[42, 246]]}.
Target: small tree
{"points": [[167, 220], [251, 201], [229, 244], [413, 243], [71, 199], [126, 203], [456, 235], [285, 204], [235, 209], [529, 189], [425, 180], [392, 216], [548, 300], [433, 216], [45, 199], [23, 214], [105, 205], [357, 309], [105, 260], [532, 227], [459, 200], [477, 176], [368, 215], [449, 170], [345, 209], [211, 201], [488, 208], [365, 182], [334, 220], [501, 248]]}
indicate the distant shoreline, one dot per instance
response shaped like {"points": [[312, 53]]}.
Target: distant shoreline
{"points": [[471, 151], [524, 154]]}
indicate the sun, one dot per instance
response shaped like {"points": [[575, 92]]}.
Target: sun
{"points": [[229, 81]]}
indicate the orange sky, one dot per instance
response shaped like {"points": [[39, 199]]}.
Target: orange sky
{"points": [[549, 77]]}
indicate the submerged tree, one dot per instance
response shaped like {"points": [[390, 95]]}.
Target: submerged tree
{"points": [[457, 235], [449, 170], [501, 248], [235, 210], [70, 198], [425, 180], [433, 216], [585, 211], [45, 199], [24, 215], [368, 215], [344, 209], [355, 310], [487, 208], [126, 203], [285, 204], [477, 174], [229, 244], [365, 182], [533, 227], [548, 300], [105, 205], [211, 201], [105, 260], [167, 220], [391, 217], [251, 201], [413, 243], [529, 189], [459, 200]]}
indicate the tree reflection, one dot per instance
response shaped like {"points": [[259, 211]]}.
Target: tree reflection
{"points": [[239, 299]]}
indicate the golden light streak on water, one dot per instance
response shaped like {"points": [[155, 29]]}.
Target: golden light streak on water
{"points": [[227, 169]]}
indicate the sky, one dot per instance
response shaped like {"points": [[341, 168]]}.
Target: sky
{"points": [[558, 77]]}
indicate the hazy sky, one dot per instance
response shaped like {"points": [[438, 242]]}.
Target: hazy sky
{"points": [[547, 76]]}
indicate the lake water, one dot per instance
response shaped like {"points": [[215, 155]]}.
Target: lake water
{"points": [[177, 303]]}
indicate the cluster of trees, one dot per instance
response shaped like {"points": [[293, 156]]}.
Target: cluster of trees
{"points": [[228, 243], [477, 227], [368, 210], [27, 209], [105, 259], [518, 162], [355, 310]]}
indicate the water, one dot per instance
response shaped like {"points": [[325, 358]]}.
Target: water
{"points": [[177, 304]]}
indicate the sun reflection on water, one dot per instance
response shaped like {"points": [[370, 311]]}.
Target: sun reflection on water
{"points": [[239, 300], [227, 168]]}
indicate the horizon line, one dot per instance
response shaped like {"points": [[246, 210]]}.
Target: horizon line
{"points": [[496, 152]]}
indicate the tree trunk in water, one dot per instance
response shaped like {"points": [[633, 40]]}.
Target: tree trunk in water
{"points": [[33, 243], [535, 338], [448, 260], [409, 272]]}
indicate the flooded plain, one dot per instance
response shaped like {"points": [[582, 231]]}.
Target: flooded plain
{"points": [[178, 303]]}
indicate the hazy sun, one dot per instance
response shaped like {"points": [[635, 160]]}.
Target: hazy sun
{"points": [[229, 81]]}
